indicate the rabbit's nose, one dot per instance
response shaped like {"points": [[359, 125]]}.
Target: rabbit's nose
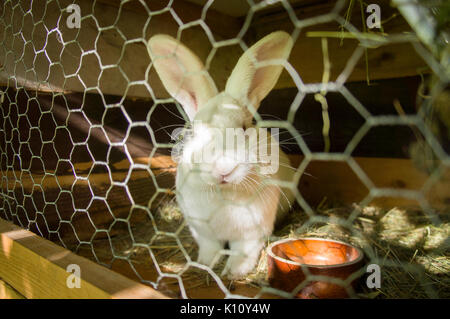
{"points": [[225, 165]]}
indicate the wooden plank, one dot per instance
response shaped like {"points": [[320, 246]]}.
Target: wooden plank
{"points": [[56, 68], [234, 8], [240, 8], [196, 289], [384, 62], [336, 181], [339, 182], [340, 185], [345, 121], [36, 268], [219, 22], [378, 99], [330, 180], [165, 164], [8, 292], [47, 70]]}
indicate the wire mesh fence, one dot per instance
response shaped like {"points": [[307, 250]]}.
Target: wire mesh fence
{"points": [[87, 135]]}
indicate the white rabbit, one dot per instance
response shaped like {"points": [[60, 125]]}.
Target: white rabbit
{"points": [[225, 199]]}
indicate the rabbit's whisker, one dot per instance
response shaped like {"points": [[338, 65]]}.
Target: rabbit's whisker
{"points": [[167, 126], [260, 190], [176, 115], [282, 192]]}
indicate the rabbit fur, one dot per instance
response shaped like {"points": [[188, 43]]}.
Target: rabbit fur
{"points": [[225, 200]]}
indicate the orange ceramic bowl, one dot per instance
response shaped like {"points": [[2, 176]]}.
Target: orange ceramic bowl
{"points": [[291, 260]]}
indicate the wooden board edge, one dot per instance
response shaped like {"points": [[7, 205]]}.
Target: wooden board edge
{"points": [[337, 182], [36, 268], [396, 60], [8, 292]]}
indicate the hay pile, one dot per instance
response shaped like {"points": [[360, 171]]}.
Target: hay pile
{"points": [[414, 254]]}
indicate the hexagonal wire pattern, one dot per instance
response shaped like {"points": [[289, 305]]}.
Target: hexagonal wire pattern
{"points": [[21, 187]]}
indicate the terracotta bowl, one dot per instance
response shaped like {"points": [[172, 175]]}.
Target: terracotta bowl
{"points": [[290, 260]]}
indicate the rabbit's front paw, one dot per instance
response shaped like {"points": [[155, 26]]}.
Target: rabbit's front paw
{"points": [[208, 250], [244, 259], [239, 267], [206, 257]]}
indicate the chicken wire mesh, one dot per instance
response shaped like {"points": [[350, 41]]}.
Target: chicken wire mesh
{"points": [[77, 168]]}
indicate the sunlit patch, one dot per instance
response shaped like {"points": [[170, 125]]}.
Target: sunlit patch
{"points": [[202, 137], [231, 106]]}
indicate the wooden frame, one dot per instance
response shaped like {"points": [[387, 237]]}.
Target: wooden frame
{"points": [[8, 292], [33, 267]]}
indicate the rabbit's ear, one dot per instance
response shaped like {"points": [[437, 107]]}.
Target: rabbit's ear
{"points": [[259, 68], [181, 72]]}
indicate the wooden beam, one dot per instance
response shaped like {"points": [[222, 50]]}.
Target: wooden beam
{"points": [[165, 164], [378, 99], [345, 121], [336, 182], [36, 268], [36, 58], [240, 8], [220, 24], [56, 68], [384, 62], [234, 8], [332, 179], [8, 292]]}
